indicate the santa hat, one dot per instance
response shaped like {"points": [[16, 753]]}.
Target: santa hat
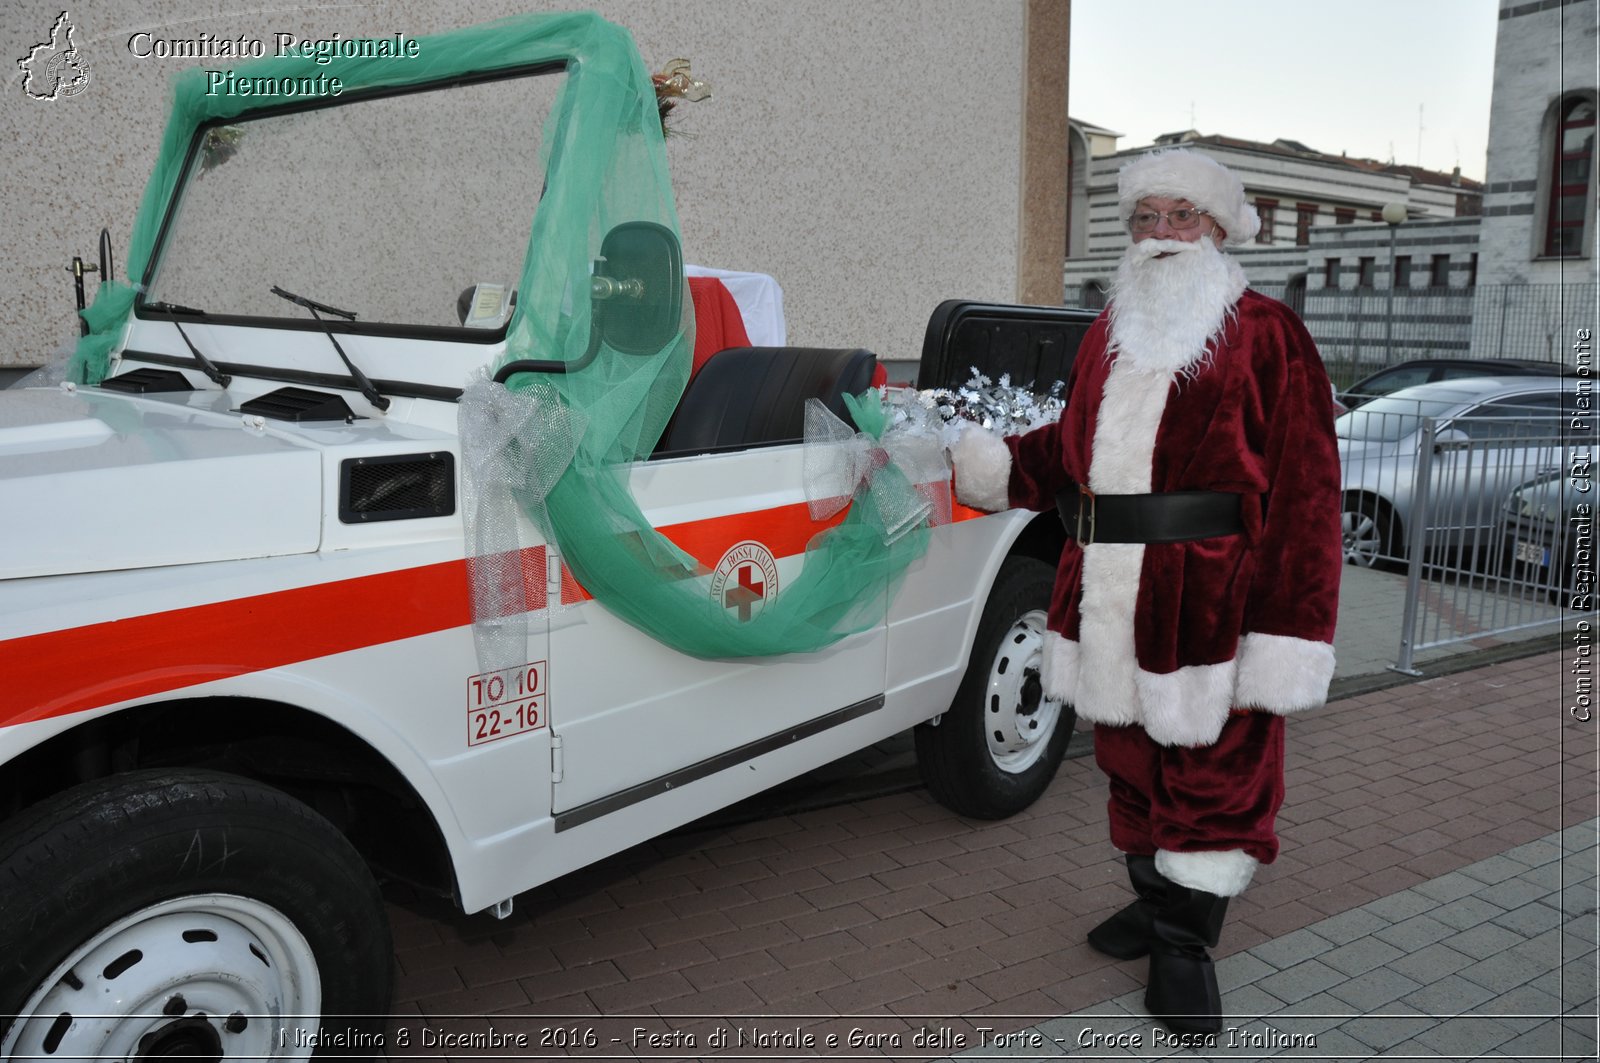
{"points": [[1182, 174]]}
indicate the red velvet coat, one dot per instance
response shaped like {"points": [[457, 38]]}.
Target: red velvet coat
{"points": [[1172, 636]]}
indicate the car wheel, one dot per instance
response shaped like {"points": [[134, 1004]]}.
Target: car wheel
{"points": [[1368, 530], [187, 913], [998, 746]]}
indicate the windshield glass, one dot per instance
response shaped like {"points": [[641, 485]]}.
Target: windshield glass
{"points": [[409, 210], [1393, 417]]}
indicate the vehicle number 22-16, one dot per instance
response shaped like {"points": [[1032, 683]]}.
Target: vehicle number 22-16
{"points": [[505, 703]]}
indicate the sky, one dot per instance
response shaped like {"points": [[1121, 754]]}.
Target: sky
{"points": [[1355, 77]]}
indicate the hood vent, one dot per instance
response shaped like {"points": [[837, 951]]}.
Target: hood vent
{"points": [[397, 487], [147, 381], [299, 404]]}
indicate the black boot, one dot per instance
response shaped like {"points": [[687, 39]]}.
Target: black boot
{"points": [[1126, 935], [1182, 988]]}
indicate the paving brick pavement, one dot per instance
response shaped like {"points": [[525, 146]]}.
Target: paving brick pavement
{"points": [[1435, 840], [1510, 974]]}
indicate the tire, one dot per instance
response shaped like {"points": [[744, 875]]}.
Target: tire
{"points": [[1369, 532], [998, 746], [164, 913]]}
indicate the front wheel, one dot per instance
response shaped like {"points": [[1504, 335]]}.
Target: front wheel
{"points": [[1369, 532], [998, 746], [186, 913]]}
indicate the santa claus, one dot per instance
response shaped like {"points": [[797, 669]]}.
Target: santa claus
{"points": [[1196, 472]]}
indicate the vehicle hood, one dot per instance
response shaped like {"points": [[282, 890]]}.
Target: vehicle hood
{"points": [[94, 481]]}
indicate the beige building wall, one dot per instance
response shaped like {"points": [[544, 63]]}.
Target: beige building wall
{"points": [[867, 155]]}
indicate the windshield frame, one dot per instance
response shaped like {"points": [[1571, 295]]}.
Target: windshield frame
{"points": [[483, 337]]}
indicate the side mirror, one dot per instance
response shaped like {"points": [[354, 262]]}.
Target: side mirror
{"points": [[637, 288], [1451, 439]]}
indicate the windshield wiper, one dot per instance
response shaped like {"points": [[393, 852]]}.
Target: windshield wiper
{"points": [[367, 389], [173, 308], [207, 366]]}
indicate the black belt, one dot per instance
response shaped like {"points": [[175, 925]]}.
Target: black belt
{"points": [[1167, 517]]}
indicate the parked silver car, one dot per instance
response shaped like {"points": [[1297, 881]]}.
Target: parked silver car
{"points": [[1392, 378], [1548, 533], [1491, 434]]}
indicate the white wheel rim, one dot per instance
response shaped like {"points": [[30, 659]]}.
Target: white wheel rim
{"points": [[1363, 544], [216, 973], [1018, 719]]}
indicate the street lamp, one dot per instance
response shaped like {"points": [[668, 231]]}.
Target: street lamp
{"points": [[1394, 214]]}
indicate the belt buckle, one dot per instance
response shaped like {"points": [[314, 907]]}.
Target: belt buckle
{"points": [[1083, 493]]}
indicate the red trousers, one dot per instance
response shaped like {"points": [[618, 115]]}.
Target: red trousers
{"points": [[1218, 797]]}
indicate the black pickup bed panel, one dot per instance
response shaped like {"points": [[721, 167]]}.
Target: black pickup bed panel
{"points": [[1035, 344]]}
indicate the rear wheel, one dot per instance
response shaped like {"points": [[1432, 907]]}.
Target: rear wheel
{"points": [[186, 914], [998, 746]]}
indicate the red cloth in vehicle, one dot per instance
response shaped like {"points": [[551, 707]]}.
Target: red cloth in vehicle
{"points": [[717, 322], [718, 325]]}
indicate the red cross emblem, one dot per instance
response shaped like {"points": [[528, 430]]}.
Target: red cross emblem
{"points": [[746, 594], [743, 581]]}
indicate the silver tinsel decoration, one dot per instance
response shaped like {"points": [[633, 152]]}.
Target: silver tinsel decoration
{"points": [[1001, 407]]}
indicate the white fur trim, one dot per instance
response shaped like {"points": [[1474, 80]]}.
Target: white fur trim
{"points": [[1182, 173], [983, 470], [1282, 674], [1225, 873], [1124, 449], [1059, 675], [1107, 692], [1125, 429], [1187, 707]]}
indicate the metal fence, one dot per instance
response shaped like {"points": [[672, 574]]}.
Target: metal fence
{"points": [[1362, 330], [1531, 320], [1491, 516]]}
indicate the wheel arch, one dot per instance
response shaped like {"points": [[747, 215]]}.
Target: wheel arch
{"points": [[309, 756], [1043, 538], [1039, 536]]}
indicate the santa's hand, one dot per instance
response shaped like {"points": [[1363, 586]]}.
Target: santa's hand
{"points": [[982, 469]]}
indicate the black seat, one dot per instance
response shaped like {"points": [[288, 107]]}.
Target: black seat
{"points": [[750, 396]]}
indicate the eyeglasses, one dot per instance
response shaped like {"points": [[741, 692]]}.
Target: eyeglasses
{"points": [[1145, 221]]}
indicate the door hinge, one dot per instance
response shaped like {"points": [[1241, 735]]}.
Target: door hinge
{"points": [[552, 575], [557, 761]]}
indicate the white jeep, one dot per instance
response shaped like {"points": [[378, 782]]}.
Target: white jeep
{"points": [[237, 628]]}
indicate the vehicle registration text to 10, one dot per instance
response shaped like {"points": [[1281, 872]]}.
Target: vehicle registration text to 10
{"points": [[505, 703]]}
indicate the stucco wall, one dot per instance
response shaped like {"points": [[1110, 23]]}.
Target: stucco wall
{"points": [[865, 155]]}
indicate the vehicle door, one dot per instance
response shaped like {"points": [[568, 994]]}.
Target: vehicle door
{"points": [[1482, 455], [636, 717]]}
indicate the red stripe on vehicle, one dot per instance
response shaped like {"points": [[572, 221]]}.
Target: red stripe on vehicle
{"points": [[67, 671], [784, 531], [60, 672]]}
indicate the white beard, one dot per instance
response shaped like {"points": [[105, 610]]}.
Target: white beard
{"points": [[1166, 313]]}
